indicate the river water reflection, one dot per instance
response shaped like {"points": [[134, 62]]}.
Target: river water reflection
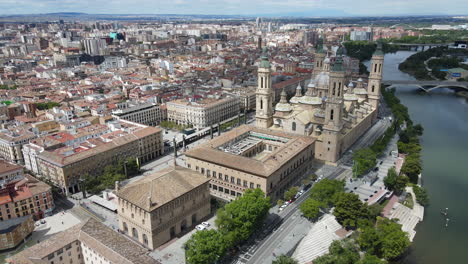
{"points": [[444, 117]]}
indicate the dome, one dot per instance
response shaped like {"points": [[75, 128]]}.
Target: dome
{"points": [[350, 97], [310, 100], [351, 85], [360, 91], [326, 60], [295, 100], [283, 107], [311, 84]]}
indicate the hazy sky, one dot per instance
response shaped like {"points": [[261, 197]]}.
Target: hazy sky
{"points": [[242, 7]]}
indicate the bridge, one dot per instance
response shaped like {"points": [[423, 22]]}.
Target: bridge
{"points": [[427, 86], [420, 46]]}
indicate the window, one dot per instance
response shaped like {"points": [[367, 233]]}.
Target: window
{"points": [[202, 171], [226, 178], [214, 174], [373, 88], [233, 193], [238, 181], [233, 180], [215, 187], [196, 168], [145, 239], [261, 103], [220, 176], [251, 185], [293, 126], [134, 233], [125, 227], [331, 114], [221, 189], [245, 183], [259, 186]]}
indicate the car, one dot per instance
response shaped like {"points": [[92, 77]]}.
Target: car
{"points": [[381, 162], [205, 224], [200, 227], [286, 203], [282, 207]]}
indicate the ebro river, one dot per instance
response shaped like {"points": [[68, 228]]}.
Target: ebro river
{"points": [[444, 117]]}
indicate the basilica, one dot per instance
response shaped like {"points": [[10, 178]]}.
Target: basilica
{"points": [[334, 109]]}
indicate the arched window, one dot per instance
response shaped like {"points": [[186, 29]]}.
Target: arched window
{"points": [[331, 114], [134, 233], [380, 68], [293, 126], [375, 67], [125, 227], [261, 82], [373, 88], [261, 103], [145, 239]]}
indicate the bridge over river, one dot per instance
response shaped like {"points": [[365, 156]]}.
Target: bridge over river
{"points": [[427, 86]]}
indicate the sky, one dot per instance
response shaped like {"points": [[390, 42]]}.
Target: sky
{"points": [[240, 7]]}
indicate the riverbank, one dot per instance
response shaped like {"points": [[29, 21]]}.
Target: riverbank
{"points": [[462, 94]]}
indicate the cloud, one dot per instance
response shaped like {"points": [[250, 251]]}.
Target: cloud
{"points": [[354, 7]]}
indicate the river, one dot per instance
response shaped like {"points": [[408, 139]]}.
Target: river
{"points": [[444, 117]]}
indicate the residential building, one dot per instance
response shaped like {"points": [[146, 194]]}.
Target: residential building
{"points": [[14, 231], [22, 195], [12, 142], [158, 207], [249, 157], [147, 113], [203, 113], [89, 243], [64, 163]]}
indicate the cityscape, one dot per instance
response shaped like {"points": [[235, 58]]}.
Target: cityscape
{"points": [[222, 132]]}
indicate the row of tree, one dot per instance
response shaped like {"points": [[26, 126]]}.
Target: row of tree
{"points": [[236, 222], [124, 169], [379, 238], [47, 105], [173, 125], [6, 87], [434, 37]]}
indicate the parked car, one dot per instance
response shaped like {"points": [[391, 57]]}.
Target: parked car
{"points": [[282, 207], [205, 224], [200, 227]]}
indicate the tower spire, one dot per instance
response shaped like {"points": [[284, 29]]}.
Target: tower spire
{"points": [[264, 93]]}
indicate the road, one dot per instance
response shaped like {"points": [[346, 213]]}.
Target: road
{"points": [[263, 250]]}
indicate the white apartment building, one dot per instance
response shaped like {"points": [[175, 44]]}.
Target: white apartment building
{"points": [[147, 114], [202, 113]]}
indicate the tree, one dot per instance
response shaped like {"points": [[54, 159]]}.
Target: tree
{"points": [[279, 202], [326, 191], [386, 240], [283, 259], [364, 160], [340, 252], [205, 247], [349, 209], [240, 218], [412, 167], [289, 194], [394, 182], [421, 195], [369, 240], [310, 208], [371, 259]]}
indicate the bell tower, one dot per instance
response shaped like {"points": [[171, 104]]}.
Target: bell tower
{"points": [[264, 94], [375, 76], [337, 78], [318, 58]]}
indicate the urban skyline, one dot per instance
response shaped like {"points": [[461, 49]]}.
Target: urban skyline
{"points": [[318, 8]]}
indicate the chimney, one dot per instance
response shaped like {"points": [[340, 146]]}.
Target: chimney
{"points": [[117, 186]]}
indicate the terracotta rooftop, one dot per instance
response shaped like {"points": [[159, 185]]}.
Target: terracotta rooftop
{"points": [[162, 187], [6, 167], [209, 152]]}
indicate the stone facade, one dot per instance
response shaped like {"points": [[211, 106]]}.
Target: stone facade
{"points": [[269, 160], [161, 206], [202, 113], [14, 231]]}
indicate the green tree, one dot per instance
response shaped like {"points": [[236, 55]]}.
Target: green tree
{"points": [[205, 247], [349, 209], [364, 160], [326, 192], [340, 252], [310, 208], [394, 182], [394, 241], [240, 218], [289, 194], [371, 259], [421, 195], [412, 167], [283, 259], [369, 240]]}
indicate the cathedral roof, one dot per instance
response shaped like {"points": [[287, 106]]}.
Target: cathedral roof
{"points": [[322, 80], [310, 100]]}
